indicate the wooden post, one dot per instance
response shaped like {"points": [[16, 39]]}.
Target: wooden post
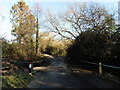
{"points": [[100, 69]]}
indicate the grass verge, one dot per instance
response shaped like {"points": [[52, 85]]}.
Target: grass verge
{"points": [[17, 80]]}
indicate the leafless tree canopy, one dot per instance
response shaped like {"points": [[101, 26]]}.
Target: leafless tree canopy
{"points": [[78, 18]]}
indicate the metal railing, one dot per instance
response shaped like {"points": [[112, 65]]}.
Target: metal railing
{"points": [[101, 65]]}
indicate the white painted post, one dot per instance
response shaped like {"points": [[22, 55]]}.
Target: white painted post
{"points": [[30, 68], [100, 69]]}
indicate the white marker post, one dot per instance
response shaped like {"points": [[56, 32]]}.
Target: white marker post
{"points": [[100, 69], [30, 68]]}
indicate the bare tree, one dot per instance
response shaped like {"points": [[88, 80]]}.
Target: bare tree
{"points": [[79, 18]]}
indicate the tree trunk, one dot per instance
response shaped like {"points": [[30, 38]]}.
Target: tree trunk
{"points": [[37, 31]]}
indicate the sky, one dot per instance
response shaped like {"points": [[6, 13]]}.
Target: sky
{"points": [[53, 5]]}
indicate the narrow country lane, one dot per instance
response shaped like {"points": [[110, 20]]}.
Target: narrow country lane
{"points": [[59, 76]]}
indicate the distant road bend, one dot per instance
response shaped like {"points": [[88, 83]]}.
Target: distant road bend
{"points": [[57, 75]]}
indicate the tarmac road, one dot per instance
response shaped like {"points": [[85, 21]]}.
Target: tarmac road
{"points": [[59, 76]]}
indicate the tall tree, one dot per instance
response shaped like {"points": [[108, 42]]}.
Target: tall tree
{"points": [[19, 13], [37, 13], [23, 28], [29, 27]]}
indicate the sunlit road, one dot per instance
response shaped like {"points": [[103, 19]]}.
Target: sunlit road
{"points": [[58, 76]]}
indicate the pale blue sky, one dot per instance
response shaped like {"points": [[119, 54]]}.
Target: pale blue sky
{"points": [[5, 27]]}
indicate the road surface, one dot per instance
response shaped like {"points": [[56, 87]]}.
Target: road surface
{"points": [[59, 76]]}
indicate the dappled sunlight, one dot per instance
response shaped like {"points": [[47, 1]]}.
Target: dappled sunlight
{"points": [[59, 49], [51, 84], [40, 68], [40, 82], [81, 71], [62, 73], [57, 77]]}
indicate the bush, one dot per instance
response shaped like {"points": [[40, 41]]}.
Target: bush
{"points": [[95, 47], [88, 46], [8, 49], [54, 50]]}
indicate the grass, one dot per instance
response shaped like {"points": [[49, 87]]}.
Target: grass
{"points": [[110, 77], [18, 80], [105, 76]]}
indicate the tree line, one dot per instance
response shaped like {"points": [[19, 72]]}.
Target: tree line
{"points": [[99, 40], [29, 44], [86, 31]]}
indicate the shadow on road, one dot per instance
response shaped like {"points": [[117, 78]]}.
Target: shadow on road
{"points": [[57, 75]]}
